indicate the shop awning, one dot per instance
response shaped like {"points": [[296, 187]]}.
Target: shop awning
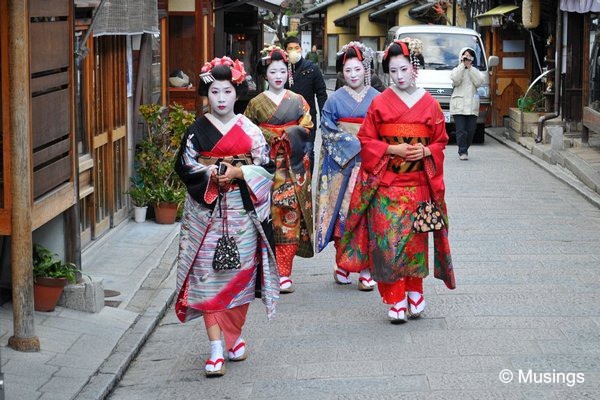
{"points": [[380, 15], [322, 6], [580, 6], [356, 11], [493, 16], [126, 17]]}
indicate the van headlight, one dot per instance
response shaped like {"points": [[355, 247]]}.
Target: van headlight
{"points": [[483, 91]]}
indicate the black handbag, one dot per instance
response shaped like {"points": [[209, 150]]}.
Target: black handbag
{"points": [[227, 255]]}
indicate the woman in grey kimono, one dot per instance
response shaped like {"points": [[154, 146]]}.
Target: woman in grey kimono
{"points": [[224, 162]]}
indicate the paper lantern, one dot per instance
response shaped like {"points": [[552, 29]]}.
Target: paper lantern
{"points": [[531, 13]]}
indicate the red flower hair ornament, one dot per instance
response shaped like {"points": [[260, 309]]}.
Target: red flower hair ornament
{"points": [[238, 73]]}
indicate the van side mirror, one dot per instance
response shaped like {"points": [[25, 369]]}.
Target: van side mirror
{"points": [[493, 61]]}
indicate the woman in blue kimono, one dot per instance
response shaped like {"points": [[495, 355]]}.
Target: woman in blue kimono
{"points": [[341, 119]]}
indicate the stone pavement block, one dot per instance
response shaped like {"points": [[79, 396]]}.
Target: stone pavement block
{"points": [[558, 362], [67, 386], [577, 394], [215, 390], [67, 360], [139, 392], [98, 387], [338, 387], [446, 364], [20, 393], [468, 381], [92, 345], [569, 347], [67, 372], [341, 369]]}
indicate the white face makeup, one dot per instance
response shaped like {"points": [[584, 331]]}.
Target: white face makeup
{"points": [[354, 74], [277, 74], [221, 97], [401, 73]]}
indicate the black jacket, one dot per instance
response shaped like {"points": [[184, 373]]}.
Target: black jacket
{"points": [[309, 82]]}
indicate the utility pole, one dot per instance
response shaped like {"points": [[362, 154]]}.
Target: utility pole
{"points": [[453, 12]]}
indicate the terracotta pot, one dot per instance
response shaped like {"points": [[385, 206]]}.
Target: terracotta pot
{"points": [[46, 292], [165, 213]]}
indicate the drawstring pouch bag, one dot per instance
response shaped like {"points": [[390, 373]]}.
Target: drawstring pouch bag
{"points": [[227, 255]]}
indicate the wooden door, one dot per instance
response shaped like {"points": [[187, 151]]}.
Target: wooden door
{"points": [[512, 76], [106, 124], [572, 102]]}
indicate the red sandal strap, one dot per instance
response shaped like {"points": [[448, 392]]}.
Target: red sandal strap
{"points": [[342, 272], [397, 310], [416, 304], [363, 279], [239, 346], [281, 283], [214, 363]]}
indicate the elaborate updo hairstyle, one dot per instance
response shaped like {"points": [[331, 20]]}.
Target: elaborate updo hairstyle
{"points": [[359, 51], [409, 48], [270, 55], [223, 69]]}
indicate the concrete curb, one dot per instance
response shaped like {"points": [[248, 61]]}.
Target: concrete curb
{"points": [[573, 165], [112, 369]]}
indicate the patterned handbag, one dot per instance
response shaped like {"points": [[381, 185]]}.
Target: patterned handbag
{"points": [[427, 217], [227, 255]]}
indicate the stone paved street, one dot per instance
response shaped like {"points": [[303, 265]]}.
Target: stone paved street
{"points": [[526, 250]]}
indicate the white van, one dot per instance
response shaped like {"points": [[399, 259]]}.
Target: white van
{"points": [[441, 45]]}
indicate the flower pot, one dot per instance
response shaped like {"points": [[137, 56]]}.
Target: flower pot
{"points": [[165, 213], [139, 213], [46, 292]]}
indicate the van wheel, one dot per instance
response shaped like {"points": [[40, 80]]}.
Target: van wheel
{"points": [[479, 134]]}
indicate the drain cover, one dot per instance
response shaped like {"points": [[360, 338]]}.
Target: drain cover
{"points": [[111, 293]]}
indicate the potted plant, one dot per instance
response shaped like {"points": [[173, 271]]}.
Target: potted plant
{"points": [[140, 197], [50, 276], [156, 154]]}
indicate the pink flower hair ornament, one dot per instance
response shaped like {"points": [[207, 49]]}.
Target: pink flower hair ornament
{"points": [[238, 73]]}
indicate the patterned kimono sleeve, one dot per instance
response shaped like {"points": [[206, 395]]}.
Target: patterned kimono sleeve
{"points": [[305, 120], [341, 146], [437, 144], [195, 175], [372, 147], [258, 176], [252, 114]]}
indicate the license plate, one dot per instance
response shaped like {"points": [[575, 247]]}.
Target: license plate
{"points": [[447, 116]]}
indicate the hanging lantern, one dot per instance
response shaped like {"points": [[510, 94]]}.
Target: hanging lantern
{"points": [[531, 13]]}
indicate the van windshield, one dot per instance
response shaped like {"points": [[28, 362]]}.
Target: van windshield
{"points": [[440, 50]]}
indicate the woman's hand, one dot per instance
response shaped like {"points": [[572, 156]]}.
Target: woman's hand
{"points": [[230, 174], [409, 152]]}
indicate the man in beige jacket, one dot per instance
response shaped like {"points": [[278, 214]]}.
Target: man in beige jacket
{"points": [[464, 103]]}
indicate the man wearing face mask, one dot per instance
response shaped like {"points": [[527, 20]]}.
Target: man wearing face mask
{"points": [[307, 80]]}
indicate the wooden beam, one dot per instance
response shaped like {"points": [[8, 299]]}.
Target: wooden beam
{"points": [[24, 338]]}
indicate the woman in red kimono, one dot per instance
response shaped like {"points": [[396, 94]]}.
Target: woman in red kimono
{"points": [[225, 164], [284, 118], [402, 140]]}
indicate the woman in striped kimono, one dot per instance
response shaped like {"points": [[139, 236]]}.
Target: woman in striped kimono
{"points": [[343, 113], [225, 164], [284, 118]]}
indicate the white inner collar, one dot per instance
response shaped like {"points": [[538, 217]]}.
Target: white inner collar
{"points": [[223, 127]]}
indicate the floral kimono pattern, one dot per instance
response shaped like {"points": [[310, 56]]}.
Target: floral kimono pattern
{"points": [[292, 202], [341, 119], [378, 231], [200, 288]]}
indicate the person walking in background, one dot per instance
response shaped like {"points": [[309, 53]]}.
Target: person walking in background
{"points": [[284, 118], [306, 80], [224, 162], [402, 141], [342, 116], [313, 55], [464, 103]]}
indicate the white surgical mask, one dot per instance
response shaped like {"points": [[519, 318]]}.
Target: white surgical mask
{"points": [[294, 56]]}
